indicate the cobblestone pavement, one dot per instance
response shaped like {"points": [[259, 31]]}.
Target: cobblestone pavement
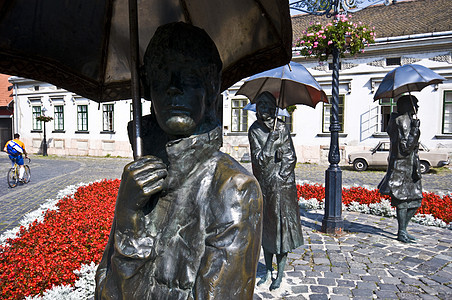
{"points": [[365, 263], [48, 176]]}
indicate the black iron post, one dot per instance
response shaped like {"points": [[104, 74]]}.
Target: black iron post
{"points": [[44, 145], [332, 222]]}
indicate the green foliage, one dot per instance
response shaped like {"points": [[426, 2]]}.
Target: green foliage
{"points": [[318, 40], [291, 108], [44, 119]]}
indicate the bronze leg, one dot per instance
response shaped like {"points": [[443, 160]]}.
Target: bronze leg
{"points": [[281, 260], [268, 264], [402, 220]]}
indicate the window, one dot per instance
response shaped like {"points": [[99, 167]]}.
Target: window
{"points": [[387, 106], [59, 117], [288, 121], [108, 114], [393, 61], [447, 112], [82, 117], [239, 121], [327, 115], [36, 112]]}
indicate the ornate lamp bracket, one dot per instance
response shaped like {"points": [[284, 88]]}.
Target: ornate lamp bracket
{"points": [[331, 8]]}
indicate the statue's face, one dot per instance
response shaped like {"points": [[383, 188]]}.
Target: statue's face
{"points": [[178, 94], [265, 111]]}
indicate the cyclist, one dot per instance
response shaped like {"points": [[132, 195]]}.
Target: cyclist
{"points": [[15, 148]]}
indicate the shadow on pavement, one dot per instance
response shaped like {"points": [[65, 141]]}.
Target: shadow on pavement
{"points": [[349, 227]]}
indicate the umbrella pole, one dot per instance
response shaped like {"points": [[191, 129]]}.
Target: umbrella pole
{"points": [[412, 103], [135, 80], [281, 90]]}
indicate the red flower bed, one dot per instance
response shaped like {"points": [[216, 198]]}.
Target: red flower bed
{"points": [[439, 207], [47, 253]]}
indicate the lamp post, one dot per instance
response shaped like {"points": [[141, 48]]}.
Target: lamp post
{"points": [[44, 145], [332, 222]]}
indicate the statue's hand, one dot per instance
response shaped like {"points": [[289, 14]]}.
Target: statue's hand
{"points": [[143, 178], [274, 135], [416, 123]]}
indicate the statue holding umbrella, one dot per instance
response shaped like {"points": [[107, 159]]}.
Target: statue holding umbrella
{"points": [[403, 177], [273, 157]]}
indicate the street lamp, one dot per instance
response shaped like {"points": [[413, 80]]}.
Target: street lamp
{"points": [[44, 145], [332, 222]]}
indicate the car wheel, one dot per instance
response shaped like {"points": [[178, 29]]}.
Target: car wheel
{"points": [[360, 164], [424, 166]]}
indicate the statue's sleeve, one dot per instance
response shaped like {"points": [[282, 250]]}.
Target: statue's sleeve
{"points": [[408, 137], [289, 158], [128, 247], [233, 241]]}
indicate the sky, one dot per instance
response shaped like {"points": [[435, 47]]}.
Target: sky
{"points": [[297, 12]]}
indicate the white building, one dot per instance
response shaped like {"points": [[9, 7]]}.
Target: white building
{"points": [[421, 34], [410, 32], [80, 126]]}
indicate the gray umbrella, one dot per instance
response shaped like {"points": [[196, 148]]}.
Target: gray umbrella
{"points": [[406, 79], [290, 84]]}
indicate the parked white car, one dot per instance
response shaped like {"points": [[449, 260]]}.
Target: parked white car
{"points": [[378, 157]]}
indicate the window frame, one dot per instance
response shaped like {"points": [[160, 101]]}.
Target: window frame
{"points": [[242, 115], [288, 121], [341, 115], [108, 110], [81, 125], [446, 103], [57, 121], [36, 125], [393, 108]]}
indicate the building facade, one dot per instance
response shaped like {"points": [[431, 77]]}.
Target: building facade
{"points": [[6, 110], [79, 127], [363, 122]]}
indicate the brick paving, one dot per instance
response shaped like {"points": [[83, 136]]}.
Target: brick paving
{"points": [[365, 263]]}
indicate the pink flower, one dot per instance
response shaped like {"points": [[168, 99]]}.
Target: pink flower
{"points": [[330, 42]]}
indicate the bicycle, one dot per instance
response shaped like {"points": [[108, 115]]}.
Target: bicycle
{"points": [[13, 175]]}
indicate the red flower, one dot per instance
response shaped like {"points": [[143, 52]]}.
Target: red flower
{"points": [[47, 253]]}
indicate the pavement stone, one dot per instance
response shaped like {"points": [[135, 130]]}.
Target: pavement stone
{"points": [[367, 262]]}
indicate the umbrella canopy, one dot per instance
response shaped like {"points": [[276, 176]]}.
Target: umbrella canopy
{"points": [[281, 112], [83, 46], [406, 78], [290, 84]]}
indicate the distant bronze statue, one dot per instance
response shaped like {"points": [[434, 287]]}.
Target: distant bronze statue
{"points": [[273, 160], [188, 218], [403, 176]]}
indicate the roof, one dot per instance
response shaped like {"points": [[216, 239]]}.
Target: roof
{"points": [[5, 95], [401, 18]]}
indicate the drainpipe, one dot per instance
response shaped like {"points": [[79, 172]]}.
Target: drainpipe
{"points": [[16, 110]]}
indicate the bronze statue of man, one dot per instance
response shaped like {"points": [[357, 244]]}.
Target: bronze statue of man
{"points": [[403, 177], [273, 160], [188, 218]]}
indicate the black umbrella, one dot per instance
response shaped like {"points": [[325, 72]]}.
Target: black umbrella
{"points": [[85, 46]]}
